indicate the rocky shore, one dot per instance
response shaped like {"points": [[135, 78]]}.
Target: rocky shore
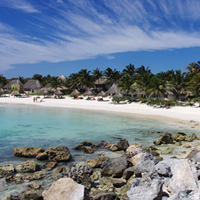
{"points": [[138, 173]]}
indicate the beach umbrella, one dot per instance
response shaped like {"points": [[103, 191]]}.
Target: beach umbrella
{"points": [[64, 88], [75, 92], [44, 91], [58, 92], [88, 92], [102, 94], [1, 91]]}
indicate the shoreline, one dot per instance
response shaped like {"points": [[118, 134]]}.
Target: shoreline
{"points": [[189, 116]]}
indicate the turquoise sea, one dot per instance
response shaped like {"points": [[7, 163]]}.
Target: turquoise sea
{"points": [[22, 125]]}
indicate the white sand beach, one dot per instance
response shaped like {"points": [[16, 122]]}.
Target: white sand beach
{"points": [[177, 114]]}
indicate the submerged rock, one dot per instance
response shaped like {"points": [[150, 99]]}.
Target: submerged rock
{"points": [[30, 152], [7, 170], [28, 166], [164, 139]]}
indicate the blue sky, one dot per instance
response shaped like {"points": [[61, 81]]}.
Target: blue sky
{"points": [[63, 36]]}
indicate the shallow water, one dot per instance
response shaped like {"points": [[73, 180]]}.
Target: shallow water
{"points": [[22, 125]]}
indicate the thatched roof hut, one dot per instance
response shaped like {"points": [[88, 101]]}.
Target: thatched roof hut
{"points": [[62, 78], [32, 84], [118, 95], [114, 89], [13, 82], [101, 81], [58, 92], [88, 92], [75, 92], [102, 94]]}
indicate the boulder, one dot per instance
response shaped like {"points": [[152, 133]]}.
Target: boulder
{"points": [[11, 197], [183, 176], [122, 144], [188, 194], [179, 137], [168, 150], [27, 167], [140, 189], [31, 195], [164, 139], [35, 186], [106, 144], [42, 156], [128, 173], [57, 171], [113, 147], [58, 154], [145, 162], [133, 150], [96, 163], [96, 175], [15, 179], [36, 175], [7, 170], [64, 188], [114, 166], [30, 152], [81, 174], [88, 150], [83, 145], [49, 165], [194, 155]]}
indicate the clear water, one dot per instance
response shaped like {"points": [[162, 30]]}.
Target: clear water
{"points": [[45, 127]]}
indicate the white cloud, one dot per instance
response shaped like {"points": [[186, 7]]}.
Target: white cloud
{"points": [[87, 34], [20, 5]]}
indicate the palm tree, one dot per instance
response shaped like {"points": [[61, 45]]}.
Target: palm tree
{"points": [[193, 68], [84, 79], [157, 87], [72, 81], [195, 85], [129, 70], [143, 82], [178, 83], [142, 70], [55, 82], [112, 75], [97, 73], [126, 83]]}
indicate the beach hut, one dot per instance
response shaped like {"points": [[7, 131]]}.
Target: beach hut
{"points": [[32, 86], [114, 89], [102, 94], [75, 92], [43, 91], [88, 93], [14, 86], [102, 83], [62, 78], [118, 96]]}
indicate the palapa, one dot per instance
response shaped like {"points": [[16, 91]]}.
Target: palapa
{"points": [[75, 92], [113, 89], [58, 92], [118, 95], [102, 94], [32, 84], [88, 92]]}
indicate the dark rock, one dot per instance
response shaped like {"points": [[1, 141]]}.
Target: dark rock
{"points": [[83, 145], [49, 165], [179, 137], [58, 154], [114, 166], [80, 174], [15, 179], [164, 139], [88, 150], [106, 196], [30, 152], [35, 186], [95, 146], [32, 195], [7, 170], [11, 197], [28, 166], [42, 156], [128, 173], [122, 144], [181, 133]]}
